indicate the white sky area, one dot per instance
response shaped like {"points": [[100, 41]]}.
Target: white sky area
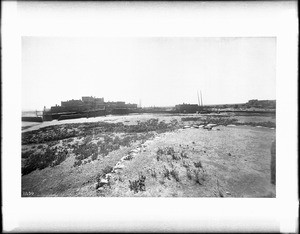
{"points": [[159, 71]]}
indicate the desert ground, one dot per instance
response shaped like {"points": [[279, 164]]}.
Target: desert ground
{"points": [[149, 155]]}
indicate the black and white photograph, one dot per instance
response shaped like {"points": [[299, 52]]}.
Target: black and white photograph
{"points": [[165, 109], [154, 117]]}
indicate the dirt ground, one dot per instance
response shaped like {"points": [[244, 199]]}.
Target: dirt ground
{"points": [[226, 161]]}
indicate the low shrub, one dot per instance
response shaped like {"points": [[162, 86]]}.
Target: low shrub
{"points": [[169, 151], [186, 164], [42, 160], [189, 174], [166, 173], [175, 174], [138, 185], [107, 169], [199, 176], [27, 154], [198, 164], [60, 157], [175, 156], [84, 151], [153, 173], [77, 163], [183, 154], [94, 156]]}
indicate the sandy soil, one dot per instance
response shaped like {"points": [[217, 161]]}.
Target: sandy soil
{"points": [[234, 162]]}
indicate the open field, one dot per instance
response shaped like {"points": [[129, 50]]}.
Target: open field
{"points": [[149, 155]]}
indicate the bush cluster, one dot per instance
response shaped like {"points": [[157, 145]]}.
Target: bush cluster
{"points": [[167, 151], [51, 133], [26, 154], [105, 146], [138, 185], [59, 132], [51, 157], [85, 150], [175, 174], [198, 164], [166, 173]]}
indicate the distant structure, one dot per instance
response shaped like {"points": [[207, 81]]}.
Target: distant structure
{"points": [[254, 105], [190, 108], [270, 104], [187, 108], [87, 106]]}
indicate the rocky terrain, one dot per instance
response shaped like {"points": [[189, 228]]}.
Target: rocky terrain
{"points": [[150, 156]]}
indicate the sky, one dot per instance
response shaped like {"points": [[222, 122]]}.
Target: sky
{"points": [[158, 71]]}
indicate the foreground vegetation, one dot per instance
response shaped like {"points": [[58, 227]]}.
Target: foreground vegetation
{"points": [[94, 140]]}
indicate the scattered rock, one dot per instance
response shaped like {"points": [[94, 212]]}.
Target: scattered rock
{"points": [[186, 126], [208, 127], [231, 125], [103, 181], [229, 154], [228, 193], [119, 166]]}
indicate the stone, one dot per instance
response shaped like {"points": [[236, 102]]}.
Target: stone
{"points": [[103, 181], [207, 127], [119, 166]]}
